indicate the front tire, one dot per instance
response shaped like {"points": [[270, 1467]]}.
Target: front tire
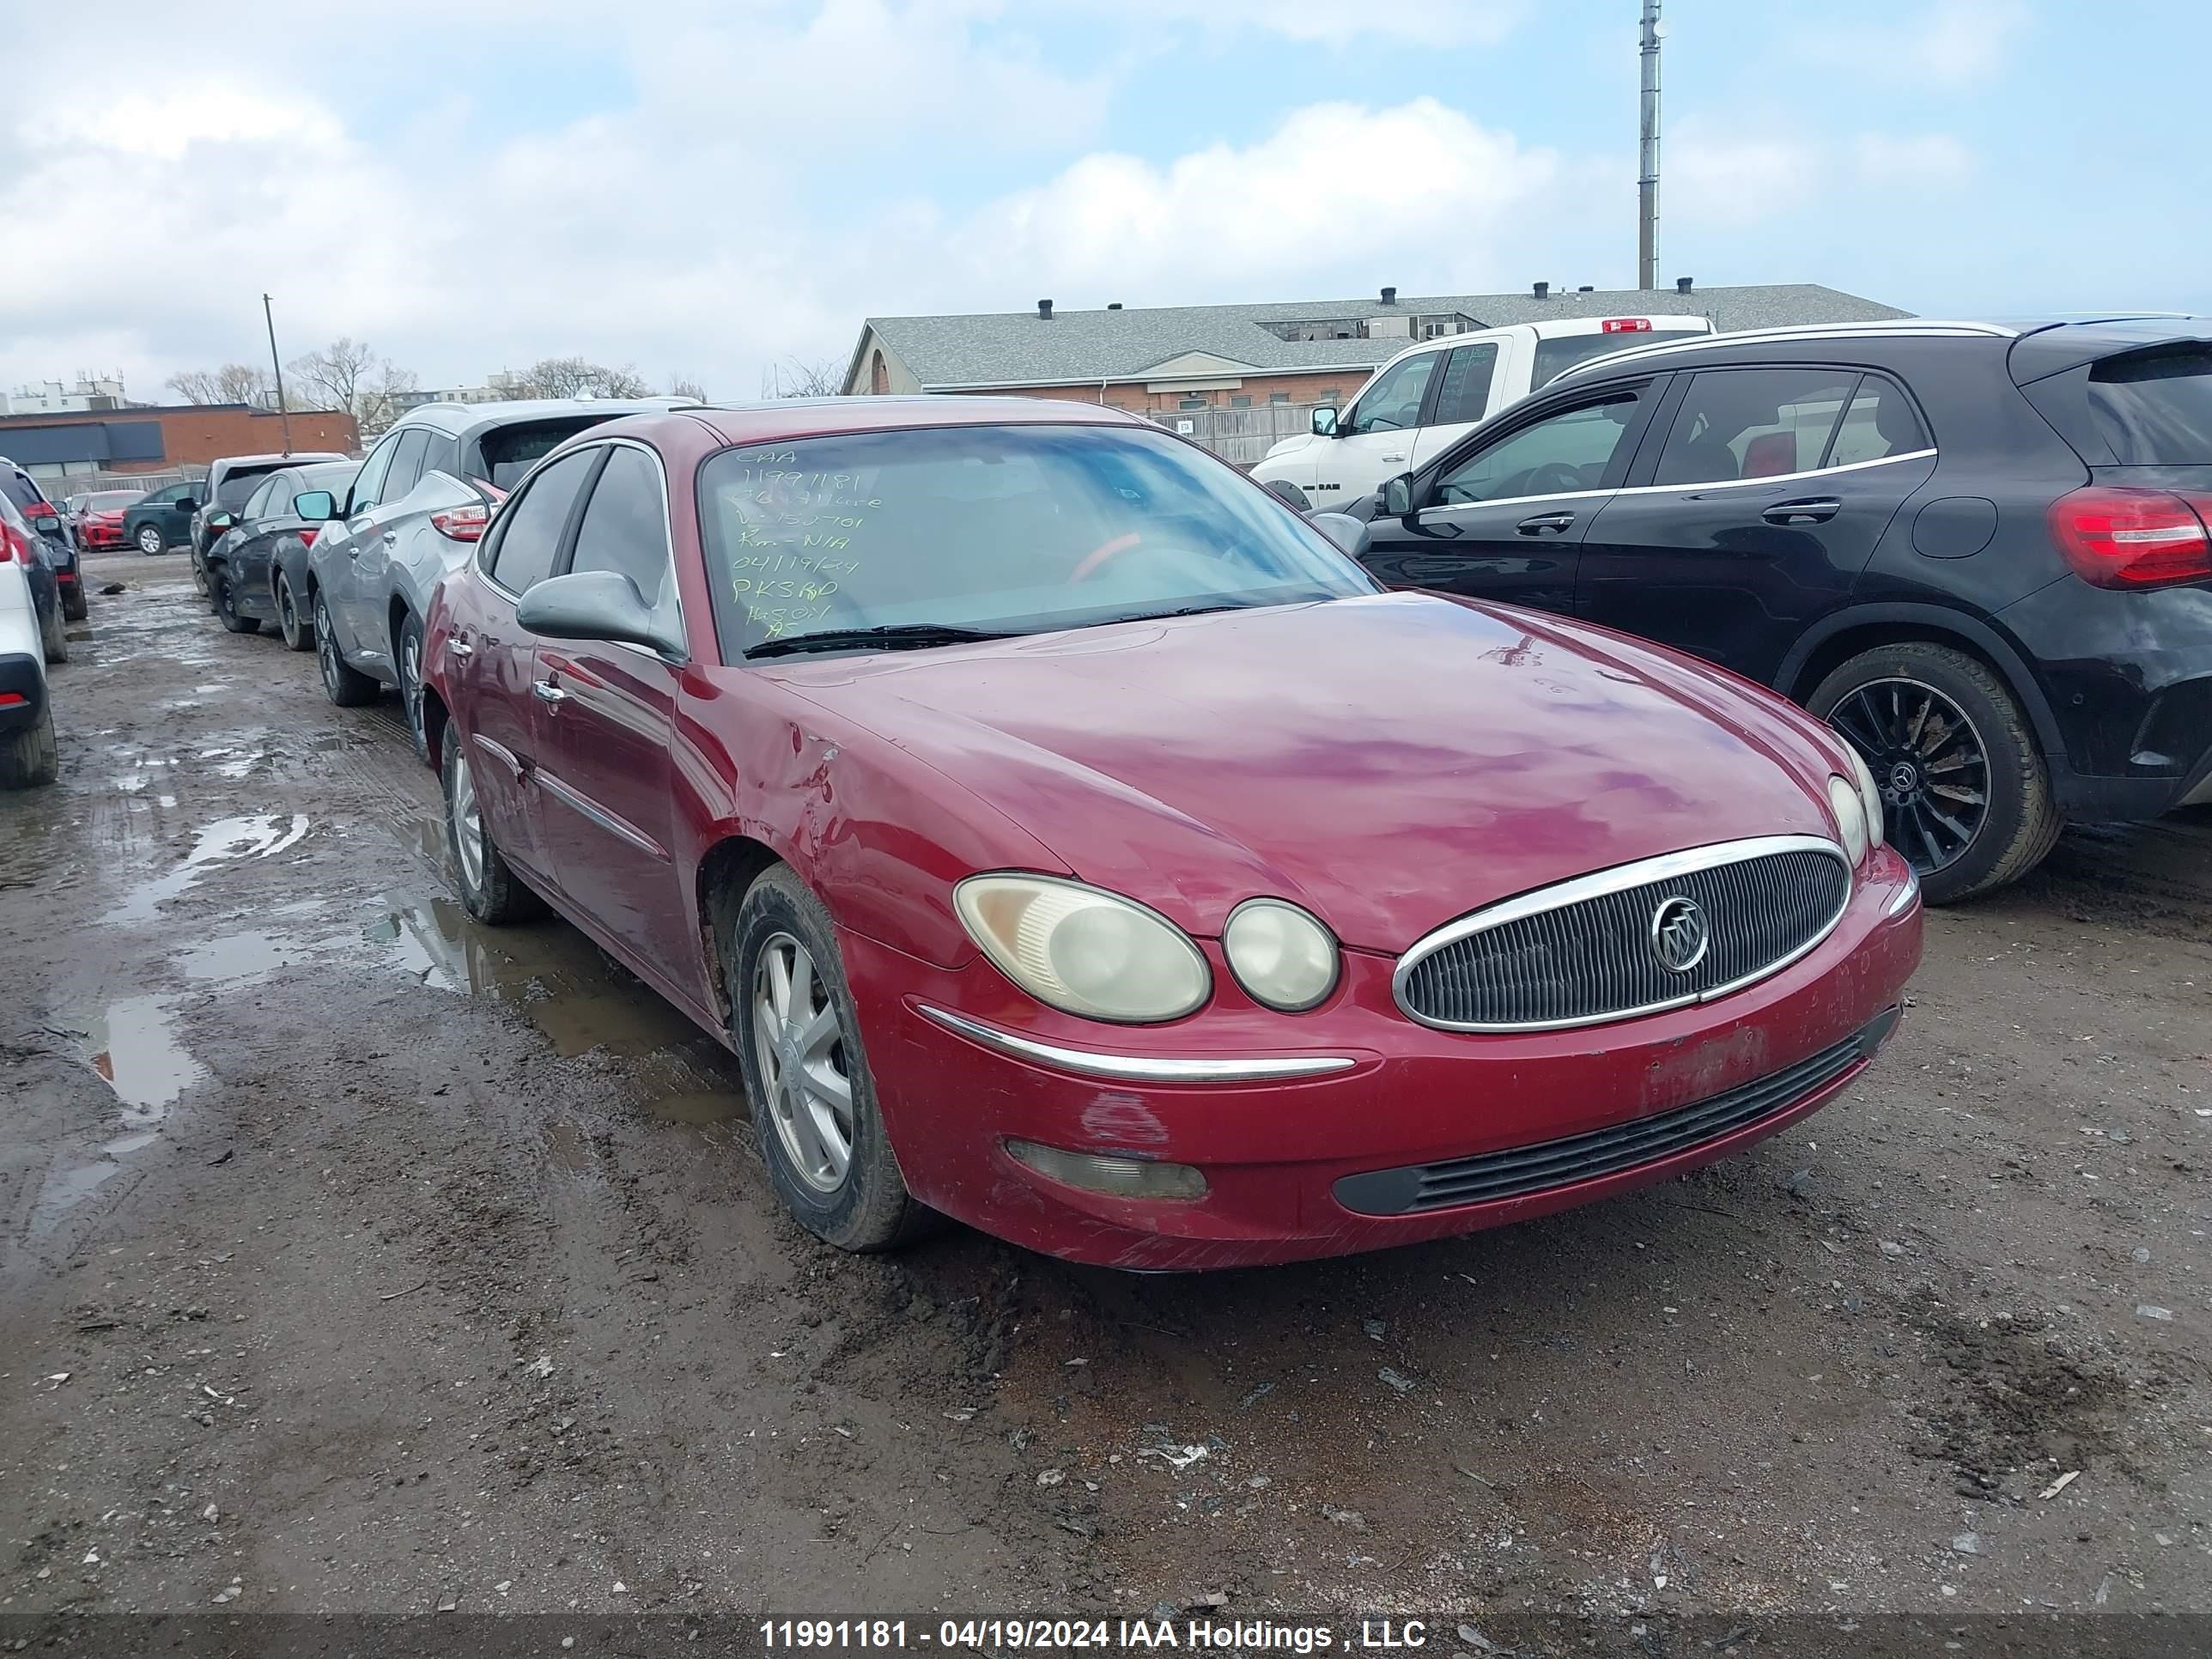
{"points": [[225, 598], [32, 757], [1965, 787], [343, 683], [490, 890], [409, 656], [150, 541], [806, 1076], [299, 633]]}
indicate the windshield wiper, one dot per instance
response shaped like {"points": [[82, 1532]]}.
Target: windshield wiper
{"points": [[893, 637]]}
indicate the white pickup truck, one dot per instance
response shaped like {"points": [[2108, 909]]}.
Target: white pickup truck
{"points": [[1430, 396]]}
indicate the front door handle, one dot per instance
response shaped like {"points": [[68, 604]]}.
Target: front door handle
{"points": [[1545, 524], [1811, 512], [457, 646], [390, 539], [546, 691], [1394, 458]]}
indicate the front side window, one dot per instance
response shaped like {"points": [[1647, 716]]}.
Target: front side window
{"points": [[624, 528], [1394, 402], [406, 465], [531, 527], [367, 489], [1466, 391], [1560, 454], [1002, 529], [1738, 423]]}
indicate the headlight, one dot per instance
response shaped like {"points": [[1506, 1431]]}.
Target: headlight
{"points": [[1280, 954], [1869, 796], [1850, 818], [1084, 951]]}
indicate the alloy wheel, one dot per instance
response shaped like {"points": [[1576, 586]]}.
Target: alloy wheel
{"points": [[287, 615], [411, 684], [327, 656], [798, 1042], [1929, 763], [468, 825]]}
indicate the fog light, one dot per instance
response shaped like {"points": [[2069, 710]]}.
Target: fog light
{"points": [[1118, 1177]]}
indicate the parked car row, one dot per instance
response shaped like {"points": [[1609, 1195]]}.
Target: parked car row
{"points": [[1069, 837], [30, 638]]}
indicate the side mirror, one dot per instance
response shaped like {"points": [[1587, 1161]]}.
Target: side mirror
{"points": [[593, 605], [1398, 497], [220, 521], [1350, 535], [315, 506], [1324, 421], [186, 504]]}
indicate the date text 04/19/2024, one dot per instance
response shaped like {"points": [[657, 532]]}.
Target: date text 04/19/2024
{"points": [[991, 1635]]}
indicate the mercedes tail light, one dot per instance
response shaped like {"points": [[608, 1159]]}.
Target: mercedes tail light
{"points": [[2119, 536], [461, 524]]}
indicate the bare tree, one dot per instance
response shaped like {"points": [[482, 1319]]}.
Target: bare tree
{"points": [[234, 383], [566, 377], [348, 375], [822, 378], [683, 386]]}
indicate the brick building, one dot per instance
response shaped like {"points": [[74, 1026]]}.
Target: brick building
{"points": [[1162, 359], [163, 438]]}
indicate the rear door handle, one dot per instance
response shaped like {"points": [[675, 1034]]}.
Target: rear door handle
{"points": [[456, 646], [1545, 524], [390, 539], [546, 691], [1811, 512]]}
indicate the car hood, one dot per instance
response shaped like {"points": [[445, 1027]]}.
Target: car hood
{"points": [[1291, 445], [1390, 763]]}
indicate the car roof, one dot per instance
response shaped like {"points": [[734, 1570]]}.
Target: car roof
{"points": [[466, 420], [2050, 343], [812, 417]]}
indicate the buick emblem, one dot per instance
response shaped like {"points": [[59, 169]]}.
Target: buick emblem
{"points": [[1679, 935]]}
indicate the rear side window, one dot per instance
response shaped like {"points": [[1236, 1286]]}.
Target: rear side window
{"points": [[2154, 408], [623, 529], [531, 527], [1466, 391], [1879, 424], [1737, 423]]}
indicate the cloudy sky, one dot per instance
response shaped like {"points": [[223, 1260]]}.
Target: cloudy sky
{"points": [[704, 186]]}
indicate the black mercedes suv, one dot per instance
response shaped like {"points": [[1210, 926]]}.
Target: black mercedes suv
{"points": [[1982, 550]]}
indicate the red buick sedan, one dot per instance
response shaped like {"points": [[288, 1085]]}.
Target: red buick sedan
{"points": [[1069, 839]]}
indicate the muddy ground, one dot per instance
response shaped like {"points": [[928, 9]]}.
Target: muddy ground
{"points": [[355, 1259]]}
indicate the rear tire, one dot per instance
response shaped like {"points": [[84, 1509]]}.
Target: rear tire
{"points": [[299, 633], [1929, 717], [150, 540], [814, 1111], [226, 603], [52, 642], [490, 890], [199, 575], [75, 606], [343, 683], [31, 757]]}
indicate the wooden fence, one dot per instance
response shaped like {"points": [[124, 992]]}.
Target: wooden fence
{"points": [[1242, 436]]}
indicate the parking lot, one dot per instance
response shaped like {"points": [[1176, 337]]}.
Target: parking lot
{"points": [[358, 1260]]}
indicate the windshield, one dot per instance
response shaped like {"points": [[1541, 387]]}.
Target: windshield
{"points": [[1005, 529], [109, 501]]}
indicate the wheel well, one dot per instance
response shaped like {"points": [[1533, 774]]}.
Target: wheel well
{"points": [[433, 725], [1832, 654], [730, 866]]}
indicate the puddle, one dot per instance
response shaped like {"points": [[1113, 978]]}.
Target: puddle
{"points": [[132, 1045], [256, 836], [237, 955], [568, 1149], [578, 999]]}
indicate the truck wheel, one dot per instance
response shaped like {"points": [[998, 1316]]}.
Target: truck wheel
{"points": [[31, 757], [1965, 791]]}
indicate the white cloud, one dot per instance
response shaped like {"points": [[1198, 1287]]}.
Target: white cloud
{"points": [[1430, 23], [1949, 43], [1712, 174]]}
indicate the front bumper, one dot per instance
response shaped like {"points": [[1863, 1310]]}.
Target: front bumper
{"points": [[1277, 1152], [95, 535]]}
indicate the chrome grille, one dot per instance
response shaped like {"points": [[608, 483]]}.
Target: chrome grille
{"points": [[1587, 951]]}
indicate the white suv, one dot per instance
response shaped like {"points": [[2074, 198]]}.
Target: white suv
{"points": [[1430, 396], [27, 754]]}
